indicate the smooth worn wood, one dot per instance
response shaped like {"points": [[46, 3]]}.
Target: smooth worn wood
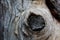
{"points": [[16, 15]]}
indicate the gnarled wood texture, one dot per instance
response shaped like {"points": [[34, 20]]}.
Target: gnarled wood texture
{"points": [[16, 13]]}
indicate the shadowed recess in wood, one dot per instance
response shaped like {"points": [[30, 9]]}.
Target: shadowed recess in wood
{"points": [[36, 22]]}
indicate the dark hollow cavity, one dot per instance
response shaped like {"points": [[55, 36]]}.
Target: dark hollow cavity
{"points": [[36, 22]]}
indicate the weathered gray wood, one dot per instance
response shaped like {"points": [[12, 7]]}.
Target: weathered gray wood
{"points": [[16, 13], [14, 8]]}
